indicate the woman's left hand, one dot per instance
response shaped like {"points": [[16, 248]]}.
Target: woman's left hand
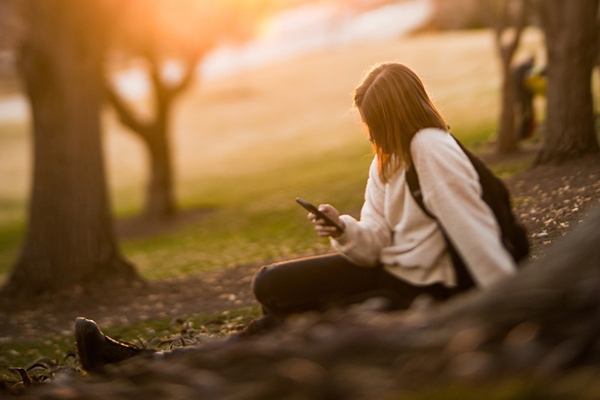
{"points": [[321, 227]]}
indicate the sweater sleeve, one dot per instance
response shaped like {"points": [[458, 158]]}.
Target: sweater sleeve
{"points": [[363, 240], [452, 192]]}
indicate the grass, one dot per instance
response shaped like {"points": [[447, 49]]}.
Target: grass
{"points": [[255, 219], [23, 354], [509, 168], [163, 334]]}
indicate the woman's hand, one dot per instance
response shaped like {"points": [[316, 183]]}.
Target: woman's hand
{"points": [[321, 226]]}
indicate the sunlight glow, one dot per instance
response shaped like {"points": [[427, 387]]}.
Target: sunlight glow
{"points": [[314, 27]]}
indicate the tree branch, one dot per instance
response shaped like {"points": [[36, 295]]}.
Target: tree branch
{"points": [[154, 65], [521, 24], [124, 112], [186, 80], [501, 23], [166, 93], [189, 74]]}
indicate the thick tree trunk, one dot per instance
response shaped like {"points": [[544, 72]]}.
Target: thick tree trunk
{"points": [[571, 40], [69, 237]]}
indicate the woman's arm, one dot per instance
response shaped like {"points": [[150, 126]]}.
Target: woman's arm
{"points": [[362, 241], [452, 192]]}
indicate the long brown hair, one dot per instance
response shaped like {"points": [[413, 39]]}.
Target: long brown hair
{"points": [[394, 105]]}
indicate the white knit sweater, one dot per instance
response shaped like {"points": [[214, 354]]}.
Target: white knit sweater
{"points": [[395, 232]]}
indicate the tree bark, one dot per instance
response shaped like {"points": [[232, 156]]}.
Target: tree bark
{"points": [[507, 138], [571, 29], [69, 238], [160, 201]]}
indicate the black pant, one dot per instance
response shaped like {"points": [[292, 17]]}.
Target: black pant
{"points": [[322, 282]]}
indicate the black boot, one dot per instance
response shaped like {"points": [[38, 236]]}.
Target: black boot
{"points": [[95, 349]]}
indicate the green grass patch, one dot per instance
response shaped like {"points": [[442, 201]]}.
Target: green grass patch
{"points": [[210, 325], [24, 353], [509, 168], [256, 219], [253, 217], [11, 234], [475, 136]]}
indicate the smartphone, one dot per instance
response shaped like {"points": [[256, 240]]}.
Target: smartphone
{"points": [[313, 209]]}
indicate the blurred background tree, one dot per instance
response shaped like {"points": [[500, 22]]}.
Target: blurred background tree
{"points": [[69, 238], [572, 33], [169, 36], [508, 19]]}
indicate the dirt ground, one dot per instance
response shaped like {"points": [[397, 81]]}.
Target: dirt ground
{"points": [[549, 200]]}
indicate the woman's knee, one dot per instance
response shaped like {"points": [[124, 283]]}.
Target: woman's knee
{"points": [[262, 284]]}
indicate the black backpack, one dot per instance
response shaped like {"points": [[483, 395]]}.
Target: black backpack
{"points": [[495, 194]]}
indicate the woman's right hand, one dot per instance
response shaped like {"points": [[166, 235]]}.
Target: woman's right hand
{"points": [[321, 226]]}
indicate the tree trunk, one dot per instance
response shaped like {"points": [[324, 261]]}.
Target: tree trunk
{"points": [[571, 41], [507, 139], [69, 238], [503, 20], [159, 198]]}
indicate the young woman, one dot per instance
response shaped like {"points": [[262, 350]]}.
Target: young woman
{"points": [[395, 251]]}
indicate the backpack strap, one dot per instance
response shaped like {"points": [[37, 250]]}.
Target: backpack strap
{"points": [[464, 280], [412, 179]]}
